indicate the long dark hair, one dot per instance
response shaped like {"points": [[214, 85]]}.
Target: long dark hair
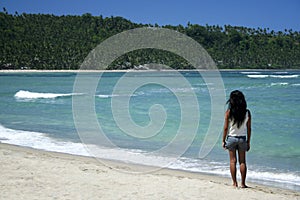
{"points": [[238, 107]]}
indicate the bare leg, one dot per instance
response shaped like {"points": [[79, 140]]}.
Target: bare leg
{"points": [[232, 155], [243, 167]]}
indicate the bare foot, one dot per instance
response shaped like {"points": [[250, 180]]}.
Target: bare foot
{"points": [[244, 186], [235, 184]]}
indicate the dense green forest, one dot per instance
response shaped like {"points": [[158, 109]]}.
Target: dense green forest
{"points": [[40, 41]]}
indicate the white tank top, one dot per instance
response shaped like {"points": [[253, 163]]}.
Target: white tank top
{"points": [[241, 131]]}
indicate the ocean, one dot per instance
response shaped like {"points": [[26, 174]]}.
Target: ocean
{"points": [[37, 110]]}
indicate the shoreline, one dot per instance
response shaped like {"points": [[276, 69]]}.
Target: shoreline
{"points": [[29, 173], [133, 70]]}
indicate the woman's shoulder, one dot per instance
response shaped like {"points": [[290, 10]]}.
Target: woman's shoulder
{"points": [[227, 112], [249, 113]]}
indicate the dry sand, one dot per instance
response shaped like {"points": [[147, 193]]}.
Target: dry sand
{"points": [[33, 174]]}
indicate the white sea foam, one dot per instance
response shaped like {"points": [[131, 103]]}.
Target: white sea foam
{"points": [[279, 84], [106, 96], [258, 75], [281, 72], [290, 180], [272, 76], [283, 178], [40, 141], [23, 94], [285, 76], [250, 72]]}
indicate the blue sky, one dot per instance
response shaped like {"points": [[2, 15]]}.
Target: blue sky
{"points": [[274, 14]]}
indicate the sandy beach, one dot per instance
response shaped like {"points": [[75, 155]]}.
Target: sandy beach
{"points": [[33, 174], [128, 70]]}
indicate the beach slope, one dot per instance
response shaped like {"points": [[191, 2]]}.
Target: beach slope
{"points": [[33, 174]]}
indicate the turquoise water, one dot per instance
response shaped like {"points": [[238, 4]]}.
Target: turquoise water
{"points": [[36, 111]]}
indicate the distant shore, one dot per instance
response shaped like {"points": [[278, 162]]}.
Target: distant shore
{"points": [[132, 70], [28, 173]]}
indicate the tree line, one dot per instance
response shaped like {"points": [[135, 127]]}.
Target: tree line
{"points": [[44, 41]]}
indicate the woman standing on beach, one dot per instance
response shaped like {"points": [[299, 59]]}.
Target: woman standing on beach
{"points": [[237, 134]]}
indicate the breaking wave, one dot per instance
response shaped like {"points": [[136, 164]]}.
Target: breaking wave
{"points": [[23, 94]]}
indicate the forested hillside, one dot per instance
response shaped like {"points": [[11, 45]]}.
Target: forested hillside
{"points": [[39, 41]]}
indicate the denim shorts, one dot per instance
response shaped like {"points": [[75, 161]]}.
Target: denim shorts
{"points": [[236, 143]]}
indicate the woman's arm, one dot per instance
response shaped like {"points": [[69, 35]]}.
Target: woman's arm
{"points": [[249, 130], [225, 128]]}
